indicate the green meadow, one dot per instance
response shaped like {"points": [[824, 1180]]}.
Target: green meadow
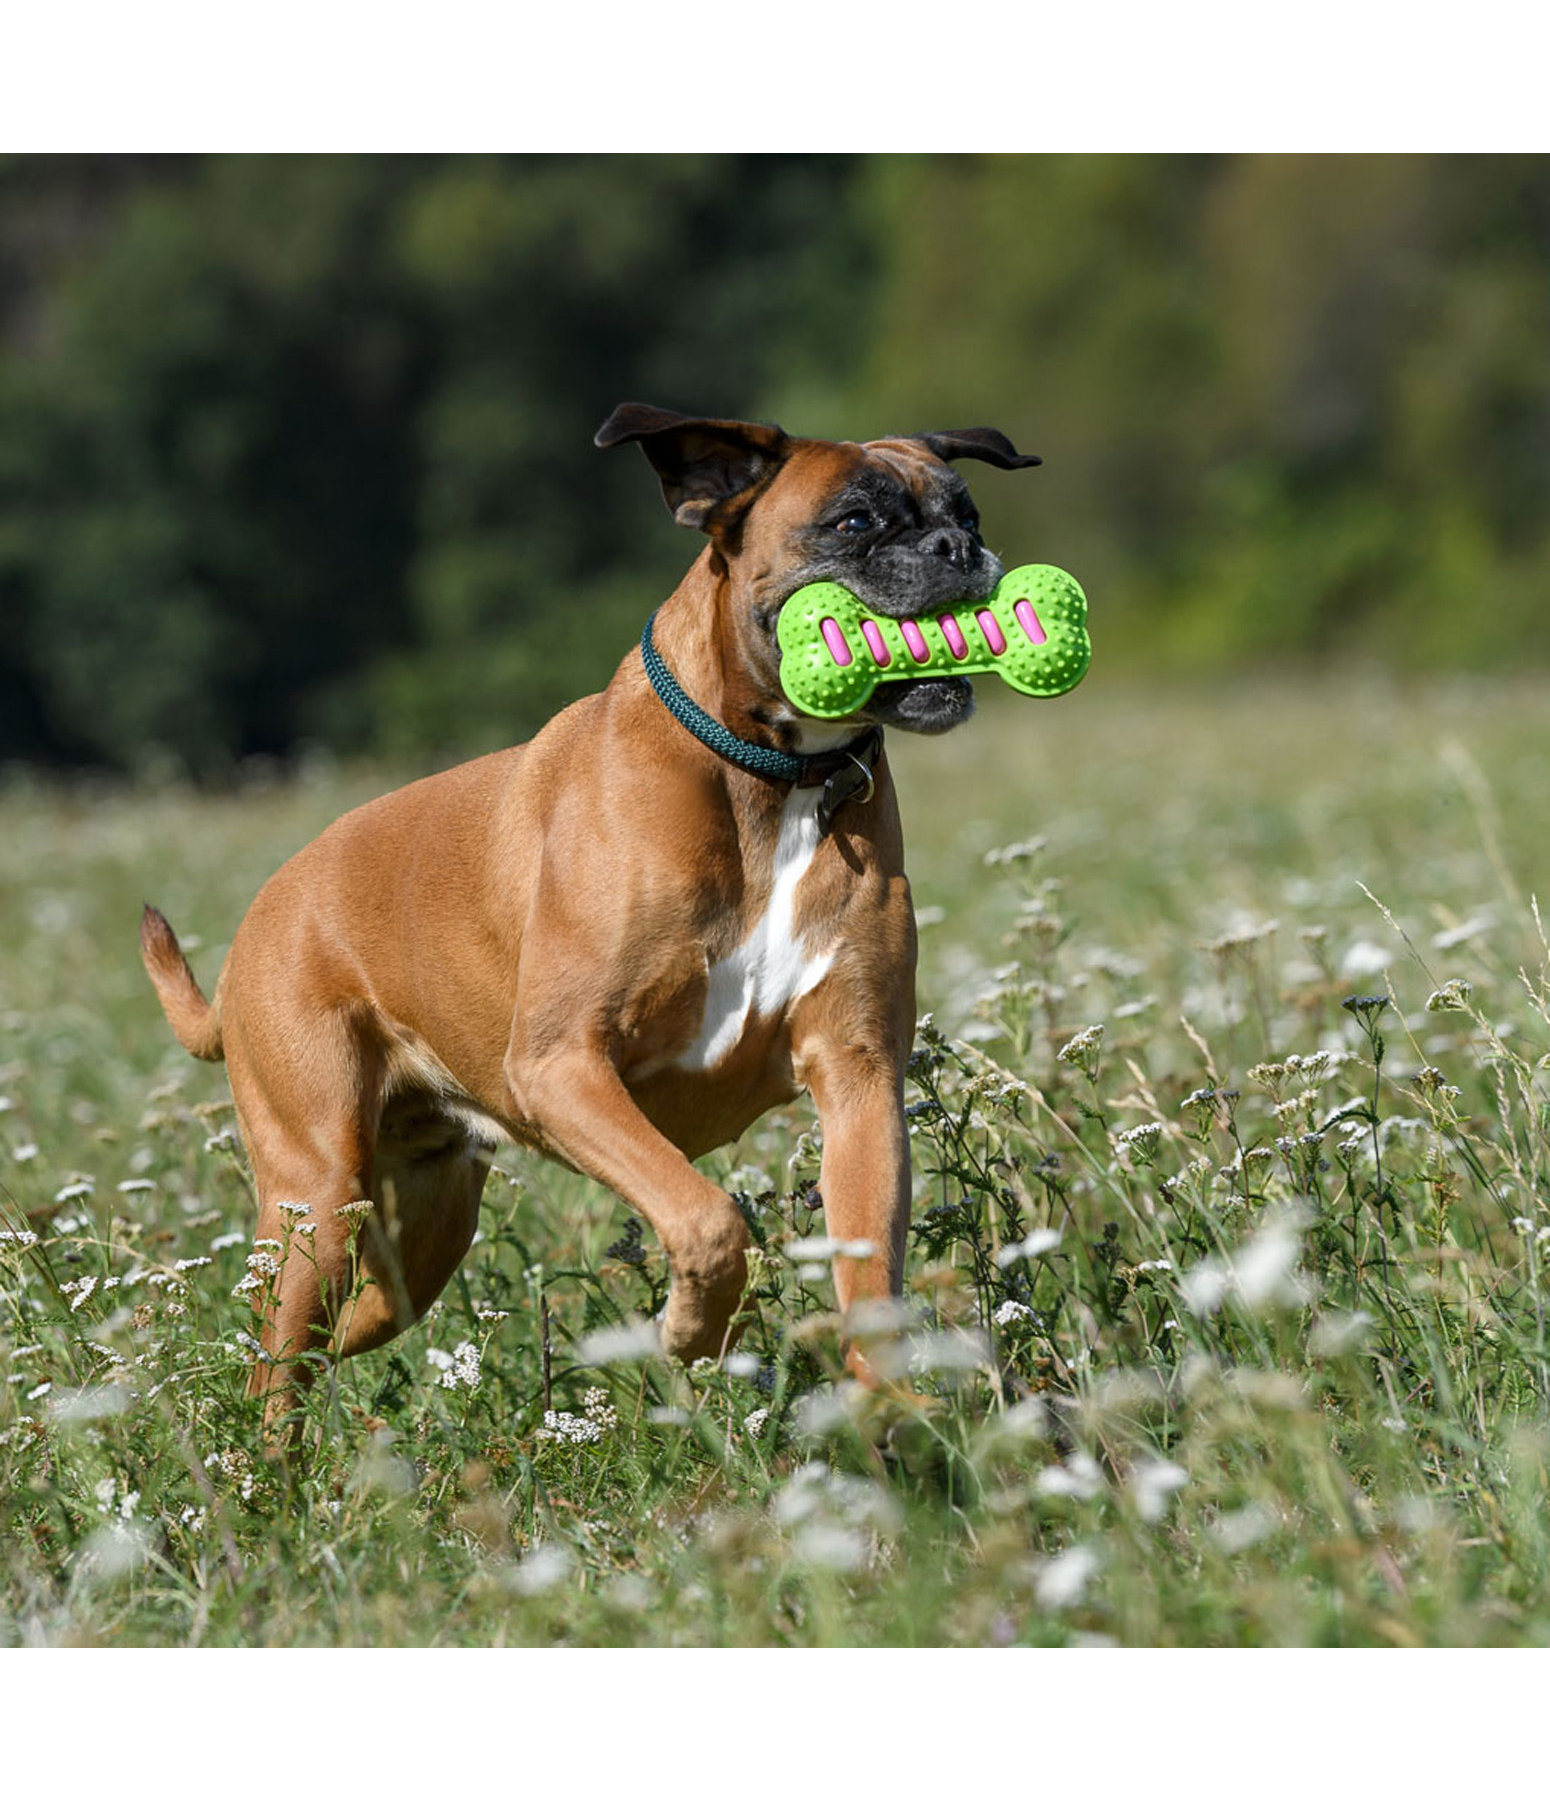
{"points": [[1226, 1309]]}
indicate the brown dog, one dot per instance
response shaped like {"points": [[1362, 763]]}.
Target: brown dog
{"points": [[616, 943]]}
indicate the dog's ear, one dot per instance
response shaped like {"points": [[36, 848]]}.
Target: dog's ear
{"points": [[706, 465], [979, 441]]}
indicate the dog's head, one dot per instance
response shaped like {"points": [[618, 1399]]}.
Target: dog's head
{"points": [[892, 521]]}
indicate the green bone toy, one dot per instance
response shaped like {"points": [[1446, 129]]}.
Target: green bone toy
{"points": [[1032, 632]]}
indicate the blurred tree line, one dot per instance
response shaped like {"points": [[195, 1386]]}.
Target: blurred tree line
{"points": [[299, 448]]}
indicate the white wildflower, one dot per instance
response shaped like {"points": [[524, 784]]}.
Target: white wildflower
{"points": [[1452, 996], [946, 1350], [114, 1550], [1153, 1482], [1140, 1142], [1083, 1050], [1077, 1478], [1013, 1312], [1335, 1333], [1037, 1243], [1263, 1273], [596, 1405], [1244, 1528], [541, 1569], [80, 1291], [1461, 934], [634, 1341], [465, 1367], [1365, 958], [829, 1546], [567, 1428], [754, 1424], [823, 1249], [1062, 1581], [1010, 853], [77, 1406], [821, 1412]]}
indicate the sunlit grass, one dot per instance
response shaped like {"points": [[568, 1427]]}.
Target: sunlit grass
{"points": [[1226, 1311]]}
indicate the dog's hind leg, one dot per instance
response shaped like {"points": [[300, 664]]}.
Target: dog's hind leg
{"points": [[425, 1217], [308, 1098]]}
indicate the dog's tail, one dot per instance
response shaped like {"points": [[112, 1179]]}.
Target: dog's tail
{"points": [[194, 1021]]}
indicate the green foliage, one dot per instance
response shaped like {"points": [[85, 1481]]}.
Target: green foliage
{"points": [[299, 448], [1289, 404]]}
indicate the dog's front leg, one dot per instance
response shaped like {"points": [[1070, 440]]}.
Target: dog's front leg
{"points": [[577, 1101], [864, 1176]]}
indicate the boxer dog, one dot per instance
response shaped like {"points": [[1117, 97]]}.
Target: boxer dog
{"points": [[682, 903]]}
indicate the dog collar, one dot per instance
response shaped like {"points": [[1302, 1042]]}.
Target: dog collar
{"points": [[840, 773]]}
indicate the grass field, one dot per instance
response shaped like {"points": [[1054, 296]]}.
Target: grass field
{"points": [[1228, 1276]]}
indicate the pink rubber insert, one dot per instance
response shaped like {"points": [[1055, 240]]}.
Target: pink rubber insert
{"points": [[992, 631], [954, 636], [839, 649], [915, 641], [1029, 620], [877, 644]]}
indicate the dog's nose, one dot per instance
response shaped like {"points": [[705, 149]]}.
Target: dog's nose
{"points": [[956, 547]]}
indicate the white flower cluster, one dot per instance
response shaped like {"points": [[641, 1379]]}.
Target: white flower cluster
{"points": [[1010, 853], [754, 1424], [1013, 1312], [833, 1517], [595, 1404], [1083, 1050], [456, 1368], [567, 1428], [108, 1499], [1140, 1142], [79, 1291]]}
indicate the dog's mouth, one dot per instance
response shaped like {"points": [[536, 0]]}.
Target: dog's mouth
{"points": [[928, 704]]}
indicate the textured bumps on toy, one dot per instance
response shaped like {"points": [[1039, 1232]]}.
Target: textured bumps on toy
{"points": [[1032, 632]]}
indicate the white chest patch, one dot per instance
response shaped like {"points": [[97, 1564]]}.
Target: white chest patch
{"points": [[769, 969]]}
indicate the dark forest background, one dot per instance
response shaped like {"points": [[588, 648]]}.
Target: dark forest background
{"points": [[298, 449]]}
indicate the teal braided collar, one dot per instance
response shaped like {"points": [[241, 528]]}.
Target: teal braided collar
{"points": [[758, 759], [842, 773]]}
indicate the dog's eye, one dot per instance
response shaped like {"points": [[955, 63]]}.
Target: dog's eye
{"points": [[860, 520]]}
